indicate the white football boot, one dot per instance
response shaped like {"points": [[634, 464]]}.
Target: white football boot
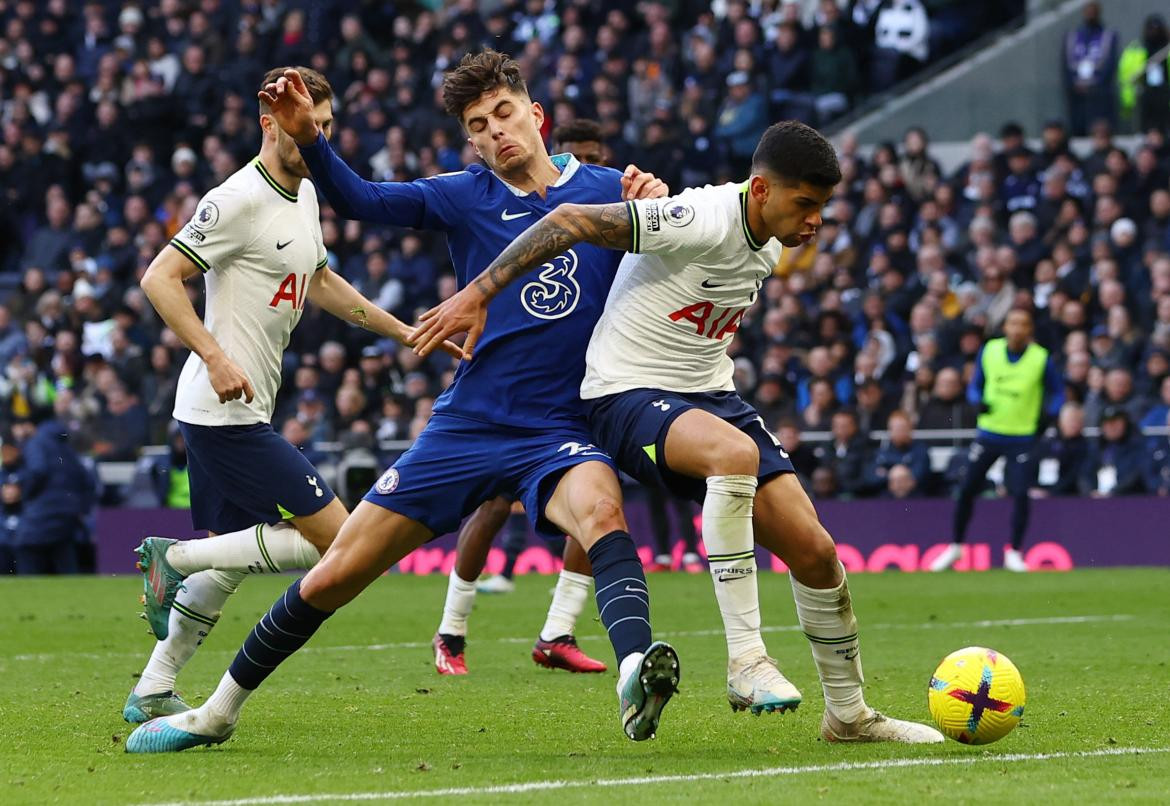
{"points": [[1014, 561], [754, 682], [877, 727], [949, 557]]}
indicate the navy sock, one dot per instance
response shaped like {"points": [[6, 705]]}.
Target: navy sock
{"points": [[622, 598], [280, 632]]}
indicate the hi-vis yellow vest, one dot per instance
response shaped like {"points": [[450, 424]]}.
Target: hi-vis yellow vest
{"points": [[1014, 392]]}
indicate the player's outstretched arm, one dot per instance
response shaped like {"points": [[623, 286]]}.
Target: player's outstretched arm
{"points": [[163, 286], [333, 293], [607, 225]]}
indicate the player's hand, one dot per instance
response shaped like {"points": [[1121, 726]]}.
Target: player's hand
{"points": [[407, 339], [638, 184], [292, 106], [228, 380], [464, 312]]}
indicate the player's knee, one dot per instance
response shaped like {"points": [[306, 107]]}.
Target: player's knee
{"points": [[816, 564], [327, 587], [738, 456], [604, 516]]}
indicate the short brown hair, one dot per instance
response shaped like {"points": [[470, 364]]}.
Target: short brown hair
{"points": [[318, 86], [476, 74], [581, 130]]}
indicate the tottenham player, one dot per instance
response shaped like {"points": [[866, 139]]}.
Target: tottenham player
{"points": [[555, 647], [659, 386], [257, 240], [511, 422]]}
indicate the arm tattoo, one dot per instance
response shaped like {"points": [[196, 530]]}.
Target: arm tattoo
{"points": [[607, 225], [360, 318]]}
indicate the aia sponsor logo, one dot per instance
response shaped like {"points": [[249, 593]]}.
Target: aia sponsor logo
{"points": [[293, 290]]}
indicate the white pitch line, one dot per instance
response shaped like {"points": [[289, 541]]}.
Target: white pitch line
{"points": [[770, 772], [925, 625]]}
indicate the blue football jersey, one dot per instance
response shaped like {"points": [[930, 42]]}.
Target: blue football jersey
{"points": [[530, 360]]}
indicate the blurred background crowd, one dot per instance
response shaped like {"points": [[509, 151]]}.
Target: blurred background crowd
{"points": [[117, 116]]}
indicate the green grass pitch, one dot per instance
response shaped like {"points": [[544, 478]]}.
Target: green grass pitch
{"points": [[362, 713]]}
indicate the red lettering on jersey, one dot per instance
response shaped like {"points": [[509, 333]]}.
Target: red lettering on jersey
{"points": [[732, 324], [304, 291], [696, 314], [287, 291]]}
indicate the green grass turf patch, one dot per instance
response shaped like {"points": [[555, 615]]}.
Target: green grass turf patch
{"points": [[361, 710]]}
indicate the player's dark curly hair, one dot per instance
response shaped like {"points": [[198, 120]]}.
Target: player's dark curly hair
{"points": [[797, 153], [581, 130], [476, 74]]}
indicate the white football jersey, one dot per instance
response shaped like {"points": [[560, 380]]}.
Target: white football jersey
{"points": [[258, 245], [694, 268]]}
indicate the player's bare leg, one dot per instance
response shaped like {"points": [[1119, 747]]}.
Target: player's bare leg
{"points": [[371, 540], [587, 505], [787, 525], [199, 602], [703, 446]]}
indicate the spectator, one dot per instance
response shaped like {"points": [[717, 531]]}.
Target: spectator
{"points": [[1117, 390], [742, 119], [1063, 457], [901, 483], [1116, 461], [948, 407], [804, 460], [901, 449], [1090, 64], [58, 494], [1157, 470], [11, 500], [846, 455], [834, 78]]}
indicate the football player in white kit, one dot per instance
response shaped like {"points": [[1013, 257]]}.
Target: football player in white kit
{"points": [[257, 240], [658, 386]]}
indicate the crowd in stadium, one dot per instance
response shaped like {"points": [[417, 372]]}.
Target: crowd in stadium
{"points": [[116, 120]]}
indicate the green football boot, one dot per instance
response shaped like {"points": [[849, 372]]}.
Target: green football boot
{"points": [[647, 691]]}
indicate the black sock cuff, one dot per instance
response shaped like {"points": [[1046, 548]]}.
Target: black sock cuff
{"points": [[602, 546], [300, 609]]}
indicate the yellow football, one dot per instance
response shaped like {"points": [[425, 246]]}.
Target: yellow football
{"points": [[976, 695]]}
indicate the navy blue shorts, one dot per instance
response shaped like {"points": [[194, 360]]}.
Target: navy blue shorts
{"points": [[457, 463], [632, 427], [242, 475]]}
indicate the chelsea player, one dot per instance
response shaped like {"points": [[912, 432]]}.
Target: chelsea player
{"points": [[658, 382], [510, 423]]}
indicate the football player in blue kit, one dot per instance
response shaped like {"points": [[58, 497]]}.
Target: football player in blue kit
{"points": [[511, 422]]}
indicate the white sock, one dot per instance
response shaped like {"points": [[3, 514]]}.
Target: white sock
{"points": [[259, 549], [569, 599], [727, 533], [629, 664], [460, 598], [826, 616], [196, 610], [222, 708]]}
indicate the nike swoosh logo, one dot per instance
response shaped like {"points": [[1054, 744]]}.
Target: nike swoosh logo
{"points": [[635, 590], [731, 577], [280, 245], [709, 284], [506, 216]]}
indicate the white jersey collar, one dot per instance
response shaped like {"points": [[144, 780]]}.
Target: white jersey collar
{"points": [[567, 164]]}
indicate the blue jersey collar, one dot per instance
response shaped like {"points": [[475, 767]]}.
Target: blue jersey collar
{"points": [[567, 164]]}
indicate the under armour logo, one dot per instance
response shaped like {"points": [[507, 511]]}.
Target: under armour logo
{"points": [[313, 481], [661, 404]]}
